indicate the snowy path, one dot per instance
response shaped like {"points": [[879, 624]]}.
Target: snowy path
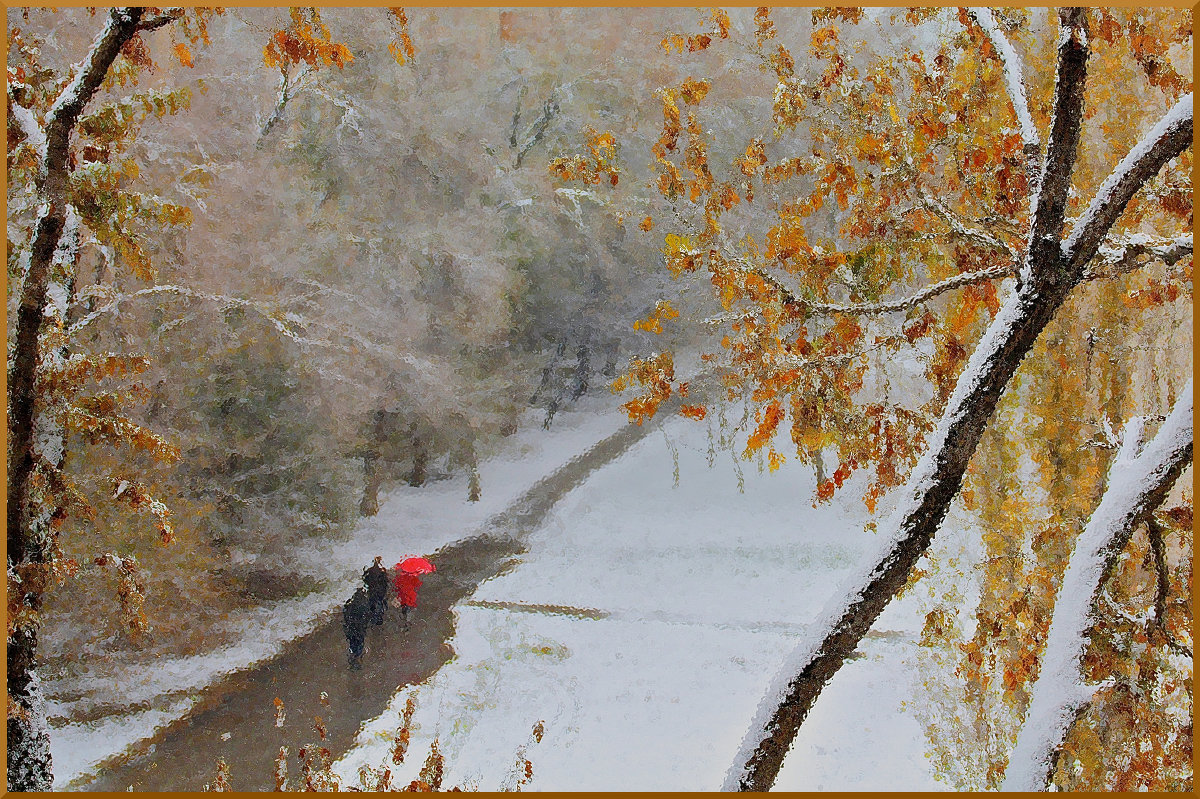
{"points": [[235, 718]]}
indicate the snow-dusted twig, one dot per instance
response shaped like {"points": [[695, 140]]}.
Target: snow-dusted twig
{"points": [[1013, 81], [1137, 484], [288, 86], [961, 229], [289, 324], [281, 322], [869, 308], [165, 17]]}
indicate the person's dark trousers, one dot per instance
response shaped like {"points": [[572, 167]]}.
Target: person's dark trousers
{"points": [[356, 651], [378, 606]]}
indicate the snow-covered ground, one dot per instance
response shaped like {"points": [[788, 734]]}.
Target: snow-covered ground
{"points": [[643, 627], [410, 521]]}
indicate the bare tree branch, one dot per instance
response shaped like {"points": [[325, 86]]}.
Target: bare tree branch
{"points": [[866, 309], [1137, 484], [286, 88], [537, 130], [1134, 253], [961, 229]]}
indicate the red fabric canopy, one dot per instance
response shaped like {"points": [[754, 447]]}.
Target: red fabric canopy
{"points": [[415, 566]]}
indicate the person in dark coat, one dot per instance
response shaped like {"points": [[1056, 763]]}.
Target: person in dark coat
{"points": [[376, 579], [355, 615]]}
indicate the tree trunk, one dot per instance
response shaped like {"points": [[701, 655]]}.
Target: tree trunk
{"points": [[1050, 272], [611, 351], [420, 466], [30, 537], [818, 459], [935, 481], [373, 478], [583, 370], [29, 762], [474, 489], [372, 473]]}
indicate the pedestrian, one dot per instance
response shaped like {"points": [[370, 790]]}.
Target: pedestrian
{"points": [[406, 589], [355, 615], [376, 579]]}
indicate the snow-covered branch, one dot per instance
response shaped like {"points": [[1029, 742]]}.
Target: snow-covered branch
{"points": [[286, 324], [1137, 484], [89, 76], [1134, 252], [1013, 80], [871, 308], [1166, 140], [935, 480], [961, 229], [288, 85], [52, 220]]}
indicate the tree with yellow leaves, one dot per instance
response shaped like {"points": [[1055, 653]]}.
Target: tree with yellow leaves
{"points": [[938, 199]]}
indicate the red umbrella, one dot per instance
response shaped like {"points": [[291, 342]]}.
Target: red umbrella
{"points": [[415, 566]]}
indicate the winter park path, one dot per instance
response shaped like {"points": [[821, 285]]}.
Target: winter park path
{"points": [[236, 720]]}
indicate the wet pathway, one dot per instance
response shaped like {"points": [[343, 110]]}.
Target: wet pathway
{"points": [[236, 719]]}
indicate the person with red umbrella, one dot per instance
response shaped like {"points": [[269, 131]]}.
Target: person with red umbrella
{"points": [[407, 581]]}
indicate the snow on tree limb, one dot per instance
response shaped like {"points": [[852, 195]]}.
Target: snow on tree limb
{"points": [[165, 17], [905, 536], [1166, 140], [1013, 80], [28, 124], [1134, 252], [1137, 484], [962, 229], [89, 76], [25, 545], [290, 325]]}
